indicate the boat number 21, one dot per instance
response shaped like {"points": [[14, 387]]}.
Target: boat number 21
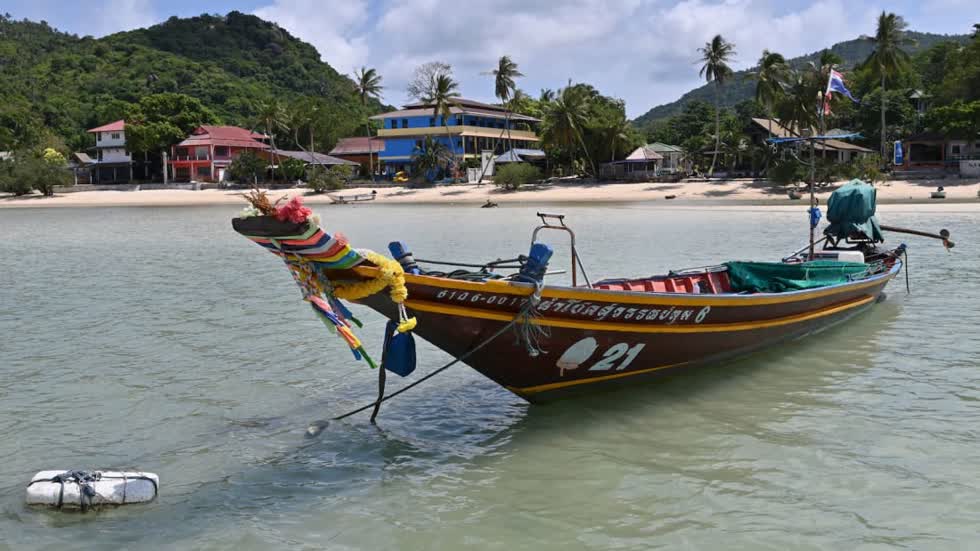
{"points": [[618, 356]]}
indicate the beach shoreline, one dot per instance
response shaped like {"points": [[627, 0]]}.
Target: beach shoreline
{"points": [[685, 193]]}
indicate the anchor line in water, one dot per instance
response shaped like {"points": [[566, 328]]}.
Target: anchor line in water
{"points": [[433, 374], [527, 316]]}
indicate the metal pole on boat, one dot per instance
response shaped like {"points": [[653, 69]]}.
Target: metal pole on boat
{"points": [[813, 161], [813, 197]]}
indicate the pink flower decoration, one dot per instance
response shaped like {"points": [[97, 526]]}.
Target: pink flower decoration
{"points": [[293, 211]]}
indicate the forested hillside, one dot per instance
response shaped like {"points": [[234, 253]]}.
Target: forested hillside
{"points": [[54, 85], [740, 88]]}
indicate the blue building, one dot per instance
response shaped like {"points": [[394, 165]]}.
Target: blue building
{"points": [[472, 128]]}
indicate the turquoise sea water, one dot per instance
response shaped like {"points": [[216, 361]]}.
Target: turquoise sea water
{"points": [[156, 338]]}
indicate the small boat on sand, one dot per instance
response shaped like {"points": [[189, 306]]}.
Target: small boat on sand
{"points": [[543, 341], [354, 198]]}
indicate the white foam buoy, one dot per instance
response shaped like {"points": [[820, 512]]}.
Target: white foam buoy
{"points": [[84, 489]]}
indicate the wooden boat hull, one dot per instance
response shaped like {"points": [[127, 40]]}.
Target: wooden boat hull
{"points": [[600, 338]]}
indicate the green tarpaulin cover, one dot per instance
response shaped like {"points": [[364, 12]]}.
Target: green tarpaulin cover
{"points": [[851, 209], [777, 277]]}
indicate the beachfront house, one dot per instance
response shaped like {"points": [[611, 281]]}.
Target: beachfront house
{"points": [[472, 129], [206, 154], [837, 150], [932, 155], [642, 164], [673, 157], [113, 163], [310, 158], [360, 149]]}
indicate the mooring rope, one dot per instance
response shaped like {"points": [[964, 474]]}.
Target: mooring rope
{"points": [[473, 350], [526, 316]]}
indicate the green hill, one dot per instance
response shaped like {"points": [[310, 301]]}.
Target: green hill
{"points": [[62, 83], [740, 88]]}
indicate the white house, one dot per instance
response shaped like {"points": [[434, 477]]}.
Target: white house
{"points": [[113, 162]]}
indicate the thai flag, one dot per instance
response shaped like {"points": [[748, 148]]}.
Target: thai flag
{"points": [[836, 84]]}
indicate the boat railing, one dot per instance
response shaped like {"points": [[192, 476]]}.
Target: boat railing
{"points": [[560, 226]]}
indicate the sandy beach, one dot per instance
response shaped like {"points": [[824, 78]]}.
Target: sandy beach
{"points": [[731, 192]]}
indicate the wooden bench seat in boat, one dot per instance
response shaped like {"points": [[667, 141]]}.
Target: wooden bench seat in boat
{"points": [[710, 283]]}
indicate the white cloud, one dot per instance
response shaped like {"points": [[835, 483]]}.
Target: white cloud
{"points": [[88, 18], [640, 50], [121, 15], [335, 28]]}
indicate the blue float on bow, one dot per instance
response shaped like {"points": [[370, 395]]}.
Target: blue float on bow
{"points": [[399, 350]]}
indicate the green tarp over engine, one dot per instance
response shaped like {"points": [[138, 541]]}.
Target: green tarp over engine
{"points": [[851, 210], [778, 277]]}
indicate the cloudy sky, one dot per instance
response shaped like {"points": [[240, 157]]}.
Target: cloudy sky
{"points": [[640, 50]]}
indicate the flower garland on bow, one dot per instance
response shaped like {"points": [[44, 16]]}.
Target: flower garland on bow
{"points": [[320, 292], [391, 275]]}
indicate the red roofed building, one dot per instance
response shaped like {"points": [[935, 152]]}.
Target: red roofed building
{"points": [[206, 153], [113, 163]]}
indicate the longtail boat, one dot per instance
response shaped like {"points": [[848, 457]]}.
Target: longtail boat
{"points": [[543, 341]]}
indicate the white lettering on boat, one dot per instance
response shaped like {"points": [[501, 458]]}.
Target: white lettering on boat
{"points": [[618, 356], [580, 309]]}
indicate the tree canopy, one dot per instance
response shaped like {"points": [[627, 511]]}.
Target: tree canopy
{"points": [[54, 83]]}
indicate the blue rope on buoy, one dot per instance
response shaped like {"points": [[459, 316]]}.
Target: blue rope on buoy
{"points": [[815, 216]]}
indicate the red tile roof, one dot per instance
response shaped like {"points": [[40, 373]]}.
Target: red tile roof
{"points": [[224, 135], [357, 146], [117, 126]]}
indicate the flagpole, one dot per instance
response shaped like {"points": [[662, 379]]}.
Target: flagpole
{"points": [[813, 159]]}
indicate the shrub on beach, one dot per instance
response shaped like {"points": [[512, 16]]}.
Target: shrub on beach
{"points": [[247, 168], [865, 167], [27, 171], [10, 181], [786, 172], [514, 175], [329, 179]]}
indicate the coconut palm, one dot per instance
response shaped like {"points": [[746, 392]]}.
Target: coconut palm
{"points": [[506, 90], [505, 87], [769, 79], [272, 117], [431, 156], [798, 107], [367, 85], [302, 117], [888, 58], [618, 132], [442, 98], [715, 56], [565, 117]]}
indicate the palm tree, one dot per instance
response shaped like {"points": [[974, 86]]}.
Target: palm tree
{"points": [[441, 97], [271, 115], [618, 132], [769, 79], [888, 58], [430, 156], [303, 116], [506, 90], [505, 87], [367, 85], [798, 107], [564, 119], [716, 55]]}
